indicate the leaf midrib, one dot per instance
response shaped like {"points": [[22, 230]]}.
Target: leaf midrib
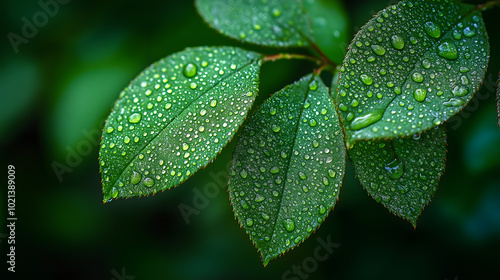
{"points": [[289, 161], [187, 107]]}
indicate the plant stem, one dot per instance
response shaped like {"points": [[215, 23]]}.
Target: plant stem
{"points": [[488, 5], [279, 56]]}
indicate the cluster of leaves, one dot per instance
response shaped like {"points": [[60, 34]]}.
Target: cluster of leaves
{"points": [[407, 71]]}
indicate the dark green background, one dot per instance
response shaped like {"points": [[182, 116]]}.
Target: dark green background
{"points": [[63, 83]]}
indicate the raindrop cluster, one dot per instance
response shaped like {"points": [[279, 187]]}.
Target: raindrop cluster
{"points": [[264, 22], [411, 68], [174, 118], [287, 167]]}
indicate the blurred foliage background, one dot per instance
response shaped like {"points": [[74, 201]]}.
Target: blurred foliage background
{"points": [[58, 89]]}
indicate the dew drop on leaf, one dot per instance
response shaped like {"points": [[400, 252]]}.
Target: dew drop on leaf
{"points": [[289, 224], [379, 50], [419, 94], [432, 29], [134, 118], [395, 168], [397, 42], [367, 119], [135, 178], [447, 49], [190, 70]]}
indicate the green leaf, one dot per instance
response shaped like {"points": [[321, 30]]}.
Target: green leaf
{"points": [[287, 168], [330, 24], [402, 174], [280, 23], [174, 118], [410, 68]]}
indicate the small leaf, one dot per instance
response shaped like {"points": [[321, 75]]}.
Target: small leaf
{"points": [[330, 24], [280, 23], [288, 167], [174, 118], [402, 174], [410, 68]]}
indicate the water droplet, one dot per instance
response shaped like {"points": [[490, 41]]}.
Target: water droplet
{"points": [[465, 80], [379, 50], [312, 122], [265, 216], [326, 182], [259, 198], [366, 79], [419, 94], [110, 129], [460, 91], [302, 175], [447, 49], [322, 209], [432, 29], [276, 128], [315, 143], [272, 111], [313, 85], [331, 173], [249, 222], [289, 224], [135, 178], [193, 85], [185, 146], [366, 119], [134, 118], [275, 170], [395, 168], [457, 35], [469, 31], [417, 77], [114, 192], [426, 63], [397, 42], [243, 173], [190, 70], [213, 103], [126, 139], [148, 182]]}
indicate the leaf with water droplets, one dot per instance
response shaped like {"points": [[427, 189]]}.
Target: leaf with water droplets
{"points": [[174, 118], [411, 68], [281, 23], [288, 167], [402, 174]]}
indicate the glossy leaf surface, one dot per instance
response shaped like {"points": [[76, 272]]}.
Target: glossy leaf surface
{"points": [[280, 23], [410, 68], [402, 174], [174, 118], [288, 167]]}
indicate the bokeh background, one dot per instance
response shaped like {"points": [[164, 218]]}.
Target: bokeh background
{"points": [[56, 92]]}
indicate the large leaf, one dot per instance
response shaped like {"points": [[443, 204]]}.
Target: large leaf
{"points": [[402, 174], [281, 23], [288, 167], [411, 68], [174, 118]]}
